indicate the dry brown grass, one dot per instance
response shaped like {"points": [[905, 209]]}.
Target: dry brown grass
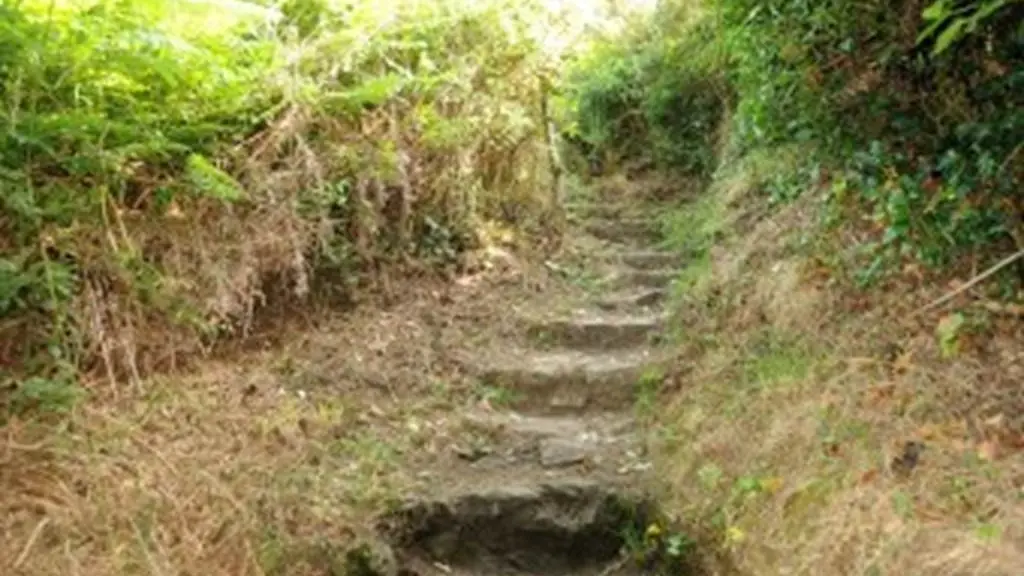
{"points": [[330, 194], [214, 266], [265, 462], [227, 472], [800, 393]]}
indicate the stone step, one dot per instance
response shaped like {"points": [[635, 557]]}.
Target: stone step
{"points": [[627, 278], [558, 441], [597, 331], [642, 299], [623, 231], [568, 381], [647, 260], [607, 210], [543, 427], [510, 526]]}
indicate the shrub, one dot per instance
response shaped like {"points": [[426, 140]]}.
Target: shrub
{"points": [[912, 111], [923, 134], [656, 94], [166, 167]]}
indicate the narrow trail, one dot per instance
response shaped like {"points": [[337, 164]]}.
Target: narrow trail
{"points": [[557, 480]]}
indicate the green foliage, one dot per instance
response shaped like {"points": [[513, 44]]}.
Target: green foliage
{"points": [[45, 394], [211, 181], [164, 163], [654, 94], [921, 134], [911, 114], [950, 21]]}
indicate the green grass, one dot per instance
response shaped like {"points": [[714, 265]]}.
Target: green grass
{"points": [[776, 359], [693, 228], [648, 387], [162, 162], [497, 396]]}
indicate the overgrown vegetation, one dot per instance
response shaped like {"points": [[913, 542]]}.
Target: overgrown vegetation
{"points": [[169, 168], [866, 154], [654, 93], [909, 115]]}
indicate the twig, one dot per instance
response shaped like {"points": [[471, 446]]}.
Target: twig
{"points": [[31, 542], [615, 566], [1011, 156], [1004, 309], [974, 281]]}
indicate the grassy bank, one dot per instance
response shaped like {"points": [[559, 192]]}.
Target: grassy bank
{"points": [[795, 430], [172, 169], [846, 399]]}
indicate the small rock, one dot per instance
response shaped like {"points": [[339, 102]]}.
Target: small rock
{"points": [[564, 402], [635, 467], [556, 452]]}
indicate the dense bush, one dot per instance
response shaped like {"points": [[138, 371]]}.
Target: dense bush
{"points": [[922, 131], [913, 112], [166, 165], [657, 94]]}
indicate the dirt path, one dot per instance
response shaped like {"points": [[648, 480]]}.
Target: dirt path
{"points": [[551, 480], [493, 419]]}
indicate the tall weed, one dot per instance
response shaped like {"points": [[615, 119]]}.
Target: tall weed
{"points": [[168, 167]]}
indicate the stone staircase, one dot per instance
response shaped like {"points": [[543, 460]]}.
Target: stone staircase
{"points": [[564, 471]]}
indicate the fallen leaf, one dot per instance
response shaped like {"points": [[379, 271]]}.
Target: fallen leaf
{"points": [[1016, 441], [772, 485], [996, 421], [988, 450], [173, 211], [928, 432], [869, 476]]}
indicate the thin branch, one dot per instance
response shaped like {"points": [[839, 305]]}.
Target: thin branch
{"points": [[30, 543], [974, 281]]}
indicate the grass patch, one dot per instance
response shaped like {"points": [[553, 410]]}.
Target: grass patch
{"points": [[648, 388], [223, 472], [774, 359], [693, 228], [793, 444], [497, 396]]}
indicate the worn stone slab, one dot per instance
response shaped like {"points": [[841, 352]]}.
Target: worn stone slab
{"points": [[622, 230], [661, 279], [588, 330], [634, 299], [648, 259], [569, 380]]}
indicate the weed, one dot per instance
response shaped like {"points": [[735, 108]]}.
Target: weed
{"points": [[497, 396], [774, 359], [661, 548], [169, 173], [648, 388]]}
